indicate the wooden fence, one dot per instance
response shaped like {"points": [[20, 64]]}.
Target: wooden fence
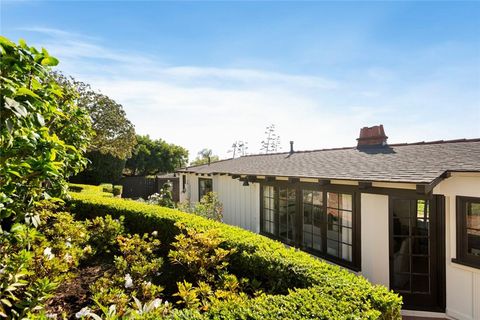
{"points": [[143, 187]]}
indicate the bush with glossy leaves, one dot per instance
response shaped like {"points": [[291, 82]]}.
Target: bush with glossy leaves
{"points": [[43, 133]]}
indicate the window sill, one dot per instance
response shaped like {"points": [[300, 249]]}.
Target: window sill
{"points": [[467, 264]]}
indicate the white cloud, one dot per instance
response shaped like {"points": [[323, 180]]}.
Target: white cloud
{"points": [[198, 107]]}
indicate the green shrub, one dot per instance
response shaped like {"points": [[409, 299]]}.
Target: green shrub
{"points": [[312, 288], [33, 264], [89, 189], [209, 207], [135, 269], [104, 232], [200, 253], [106, 187], [117, 190], [43, 133]]}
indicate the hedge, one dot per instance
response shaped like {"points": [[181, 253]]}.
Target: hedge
{"points": [[314, 289]]}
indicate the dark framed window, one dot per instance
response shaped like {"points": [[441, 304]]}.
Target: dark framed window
{"points": [[339, 225], [287, 208], [468, 231], [205, 186], [318, 220]]}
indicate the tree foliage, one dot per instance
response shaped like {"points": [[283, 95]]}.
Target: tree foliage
{"points": [[204, 156], [43, 133], [114, 133], [102, 168], [151, 157]]}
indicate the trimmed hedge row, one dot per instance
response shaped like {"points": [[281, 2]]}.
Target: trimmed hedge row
{"points": [[314, 289]]}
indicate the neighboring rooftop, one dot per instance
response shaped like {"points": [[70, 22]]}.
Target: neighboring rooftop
{"points": [[420, 162]]}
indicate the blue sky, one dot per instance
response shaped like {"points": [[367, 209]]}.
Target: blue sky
{"points": [[204, 74]]}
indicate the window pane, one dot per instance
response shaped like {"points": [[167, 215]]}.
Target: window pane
{"points": [[346, 218], [307, 196], [401, 263], [401, 227], [422, 209], [317, 198], [420, 227], [313, 218], [307, 215], [333, 232], [401, 208], [401, 245], [307, 239], [346, 252], [333, 216], [420, 246], [318, 216], [332, 248], [346, 235], [473, 216], [266, 203], [332, 200], [317, 241], [401, 282], [473, 242], [269, 210], [345, 201], [287, 211], [271, 191], [204, 187]]}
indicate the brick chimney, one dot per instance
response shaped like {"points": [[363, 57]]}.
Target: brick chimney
{"points": [[372, 136]]}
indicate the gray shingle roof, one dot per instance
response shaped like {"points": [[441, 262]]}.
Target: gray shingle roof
{"points": [[417, 163]]}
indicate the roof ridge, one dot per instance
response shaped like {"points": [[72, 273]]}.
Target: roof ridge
{"points": [[347, 148]]}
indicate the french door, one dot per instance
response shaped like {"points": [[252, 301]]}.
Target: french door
{"points": [[417, 252]]}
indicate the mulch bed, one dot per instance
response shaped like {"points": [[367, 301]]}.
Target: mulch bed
{"points": [[74, 293]]}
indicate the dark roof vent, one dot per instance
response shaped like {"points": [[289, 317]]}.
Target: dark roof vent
{"points": [[291, 147], [372, 136]]}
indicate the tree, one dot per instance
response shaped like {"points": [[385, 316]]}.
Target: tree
{"points": [[151, 157], [204, 156], [272, 140], [114, 133], [102, 168], [114, 137], [239, 147], [43, 133]]}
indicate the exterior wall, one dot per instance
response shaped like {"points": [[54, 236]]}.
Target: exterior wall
{"points": [[463, 283], [375, 244], [241, 204]]}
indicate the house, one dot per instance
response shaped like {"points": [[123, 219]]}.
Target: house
{"points": [[406, 216]]}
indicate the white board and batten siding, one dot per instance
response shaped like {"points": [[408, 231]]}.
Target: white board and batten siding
{"points": [[241, 204]]}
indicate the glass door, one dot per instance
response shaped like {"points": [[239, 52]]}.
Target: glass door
{"points": [[416, 242]]}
